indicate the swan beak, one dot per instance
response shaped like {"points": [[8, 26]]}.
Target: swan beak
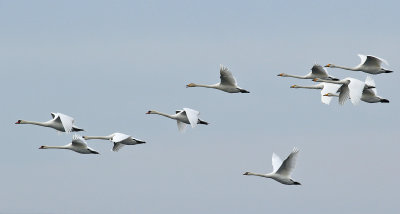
{"points": [[315, 79], [293, 86], [246, 173], [148, 112], [18, 122], [42, 147], [279, 75], [326, 95], [328, 65]]}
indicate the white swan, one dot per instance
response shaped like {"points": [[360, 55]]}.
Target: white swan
{"points": [[369, 64], [317, 71], [78, 144], [227, 84], [183, 117], [281, 170], [350, 88], [119, 140], [369, 95], [325, 89], [60, 122]]}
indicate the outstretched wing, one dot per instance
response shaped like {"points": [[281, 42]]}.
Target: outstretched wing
{"points": [[371, 61], [192, 115], [356, 88], [344, 94], [119, 137], [117, 146], [319, 71], [370, 82], [78, 141], [226, 76], [288, 164], [66, 121], [328, 88], [276, 162]]}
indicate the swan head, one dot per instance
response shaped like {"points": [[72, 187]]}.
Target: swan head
{"points": [[151, 112], [282, 75], [246, 173], [316, 80], [330, 66], [43, 147], [293, 86], [190, 85], [328, 95], [18, 122]]}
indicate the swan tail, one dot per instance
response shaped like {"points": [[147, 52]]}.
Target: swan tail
{"points": [[387, 71], [74, 129], [384, 101], [202, 122], [243, 91]]}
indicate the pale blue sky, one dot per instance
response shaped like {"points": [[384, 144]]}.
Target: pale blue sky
{"points": [[108, 62]]}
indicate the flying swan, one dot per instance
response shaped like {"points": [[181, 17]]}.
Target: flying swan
{"points": [[183, 117], [119, 140], [60, 122], [281, 170], [369, 64], [317, 71], [228, 82], [78, 144]]}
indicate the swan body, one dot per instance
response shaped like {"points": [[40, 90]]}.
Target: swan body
{"points": [[183, 117], [60, 122], [228, 82], [317, 71], [78, 144], [369, 64], [281, 169], [350, 88], [369, 94], [325, 88], [119, 140]]}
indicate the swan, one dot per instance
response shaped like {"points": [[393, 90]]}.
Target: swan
{"points": [[281, 170], [78, 144], [369, 95], [325, 88], [183, 117], [119, 140], [369, 64], [317, 71], [350, 88], [60, 122], [228, 82]]}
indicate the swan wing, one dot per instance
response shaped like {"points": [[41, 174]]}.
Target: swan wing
{"points": [[181, 126], [66, 121], [318, 70], [356, 88], [119, 137], [344, 94], [371, 82], [78, 141], [192, 115], [117, 146], [226, 76], [328, 88], [371, 61], [288, 165], [276, 162]]}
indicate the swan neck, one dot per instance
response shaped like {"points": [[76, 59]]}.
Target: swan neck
{"points": [[205, 86], [295, 76], [309, 87], [345, 68], [55, 147], [257, 174], [34, 123], [99, 137], [163, 114]]}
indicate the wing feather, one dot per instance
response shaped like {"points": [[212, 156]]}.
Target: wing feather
{"points": [[276, 162], [66, 121], [288, 165], [192, 115], [226, 76], [328, 88]]}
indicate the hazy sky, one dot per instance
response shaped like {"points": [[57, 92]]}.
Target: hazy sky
{"points": [[106, 63]]}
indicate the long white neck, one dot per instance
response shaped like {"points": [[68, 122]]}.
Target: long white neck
{"points": [[333, 81], [295, 76], [206, 86], [99, 137], [261, 175], [309, 87], [163, 114], [345, 68], [55, 147], [46, 124]]}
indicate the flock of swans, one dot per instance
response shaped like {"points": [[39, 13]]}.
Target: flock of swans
{"points": [[348, 88]]}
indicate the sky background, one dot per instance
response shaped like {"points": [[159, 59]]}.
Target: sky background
{"points": [[106, 63]]}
